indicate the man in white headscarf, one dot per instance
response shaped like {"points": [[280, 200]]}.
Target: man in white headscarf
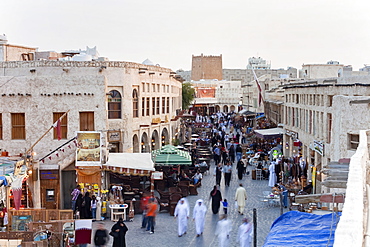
{"points": [[199, 214], [223, 231], [272, 176], [245, 233], [182, 215]]}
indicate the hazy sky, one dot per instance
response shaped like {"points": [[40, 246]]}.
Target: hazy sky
{"points": [[168, 32]]}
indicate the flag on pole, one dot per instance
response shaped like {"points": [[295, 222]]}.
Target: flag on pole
{"points": [[57, 126], [260, 99]]}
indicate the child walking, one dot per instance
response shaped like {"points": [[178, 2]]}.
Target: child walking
{"points": [[225, 204]]}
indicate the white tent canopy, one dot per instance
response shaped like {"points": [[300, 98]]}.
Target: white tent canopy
{"points": [[269, 133], [130, 163]]}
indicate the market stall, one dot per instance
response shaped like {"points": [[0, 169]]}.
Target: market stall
{"points": [[269, 133], [127, 175]]}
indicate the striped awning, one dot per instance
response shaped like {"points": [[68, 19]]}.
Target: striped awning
{"points": [[137, 164]]}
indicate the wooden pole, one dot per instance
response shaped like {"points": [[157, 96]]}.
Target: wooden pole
{"points": [[30, 149], [151, 184]]}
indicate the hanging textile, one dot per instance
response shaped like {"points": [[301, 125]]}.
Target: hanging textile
{"points": [[17, 190]]}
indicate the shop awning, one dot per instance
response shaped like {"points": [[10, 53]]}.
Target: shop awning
{"points": [[170, 155], [269, 133], [130, 163], [246, 112], [7, 165]]}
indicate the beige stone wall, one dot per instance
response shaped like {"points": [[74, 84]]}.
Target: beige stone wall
{"points": [[98, 78], [13, 52], [38, 97], [313, 71], [206, 67], [346, 118]]}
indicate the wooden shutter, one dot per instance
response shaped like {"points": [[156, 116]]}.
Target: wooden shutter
{"points": [[18, 126], [87, 121], [63, 124]]}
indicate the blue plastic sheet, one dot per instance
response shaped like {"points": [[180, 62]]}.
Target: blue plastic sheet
{"points": [[302, 229]]}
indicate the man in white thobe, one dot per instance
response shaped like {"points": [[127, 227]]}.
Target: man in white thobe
{"points": [[223, 231], [199, 214], [182, 215], [240, 198], [272, 176], [245, 233]]}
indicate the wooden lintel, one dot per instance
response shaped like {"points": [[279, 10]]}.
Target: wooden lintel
{"points": [[308, 198], [314, 198], [335, 183], [338, 167], [337, 178], [334, 172]]}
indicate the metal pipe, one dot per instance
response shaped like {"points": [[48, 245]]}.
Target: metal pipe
{"points": [[254, 227], [367, 233]]}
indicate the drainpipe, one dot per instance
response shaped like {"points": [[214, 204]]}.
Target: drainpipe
{"points": [[367, 233]]}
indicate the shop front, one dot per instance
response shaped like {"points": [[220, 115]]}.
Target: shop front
{"points": [[128, 179]]}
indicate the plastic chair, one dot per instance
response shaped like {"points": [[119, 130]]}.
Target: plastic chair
{"points": [[264, 200], [259, 174]]}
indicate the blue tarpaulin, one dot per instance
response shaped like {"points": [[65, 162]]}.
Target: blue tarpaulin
{"points": [[302, 229]]}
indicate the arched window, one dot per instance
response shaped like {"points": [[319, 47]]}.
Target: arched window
{"points": [[135, 103], [114, 105]]}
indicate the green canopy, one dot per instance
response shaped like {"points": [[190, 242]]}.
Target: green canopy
{"points": [[170, 155]]}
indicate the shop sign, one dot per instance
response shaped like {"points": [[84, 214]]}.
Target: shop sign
{"points": [[88, 151], [318, 147], [49, 174], [156, 120], [114, 136], [157, 175]]}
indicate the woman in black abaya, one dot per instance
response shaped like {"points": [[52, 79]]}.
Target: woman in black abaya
{"points": [[216, 199]]}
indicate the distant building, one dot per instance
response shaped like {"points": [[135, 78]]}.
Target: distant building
{"points": [[185, 75], [213, 96], [330, 69], [10, 52], [206, 68], [258, 63], [246, 75]]}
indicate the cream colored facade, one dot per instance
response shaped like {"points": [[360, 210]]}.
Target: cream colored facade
{"points": [[228, 95], [9, 52], [313, 71], [40, 88], [353, 227], [321, 114]]}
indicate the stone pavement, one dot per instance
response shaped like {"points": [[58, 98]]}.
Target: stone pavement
{"points": [[166, 226]]}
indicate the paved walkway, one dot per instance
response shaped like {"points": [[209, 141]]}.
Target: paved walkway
{"points": [[166, 226]]}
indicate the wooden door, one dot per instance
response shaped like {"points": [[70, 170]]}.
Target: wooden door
{"points": [[50, 192], [68, 184]]}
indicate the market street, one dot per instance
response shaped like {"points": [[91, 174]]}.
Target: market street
{"points": [[166, 226]]}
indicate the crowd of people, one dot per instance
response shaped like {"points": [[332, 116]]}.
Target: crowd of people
{"points": [[85, 206], [228, 139]]}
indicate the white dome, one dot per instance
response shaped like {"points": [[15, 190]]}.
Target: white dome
{"points": [[82, 57], [147, 62]]}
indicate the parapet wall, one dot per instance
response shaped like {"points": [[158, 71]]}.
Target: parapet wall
{"points": [[48, 63]]}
